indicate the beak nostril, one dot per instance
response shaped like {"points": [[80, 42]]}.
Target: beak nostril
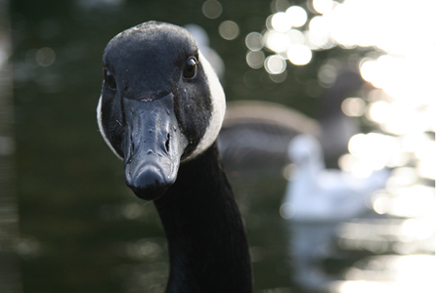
{"points": [[167, 143], [130, 153]]}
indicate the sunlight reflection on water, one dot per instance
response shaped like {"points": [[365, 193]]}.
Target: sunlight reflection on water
{"points": [[404, 70], [391, 273]]}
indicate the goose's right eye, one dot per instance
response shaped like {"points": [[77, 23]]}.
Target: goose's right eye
{"points": [[109, 79], [190, 69]]}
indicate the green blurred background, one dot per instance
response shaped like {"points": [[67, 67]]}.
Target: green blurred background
{"points": [[81, 229]]}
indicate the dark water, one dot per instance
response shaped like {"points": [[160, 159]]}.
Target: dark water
{"points": [[9, 269], [81, 229]]}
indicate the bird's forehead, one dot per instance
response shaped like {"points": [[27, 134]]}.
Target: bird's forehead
{"points": [[159, 42]]}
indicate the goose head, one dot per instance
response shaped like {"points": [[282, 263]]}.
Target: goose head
{"points": [[161, 104]]}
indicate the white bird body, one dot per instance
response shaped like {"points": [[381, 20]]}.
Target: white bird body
{"points": [[316, 201], [318, 194]]}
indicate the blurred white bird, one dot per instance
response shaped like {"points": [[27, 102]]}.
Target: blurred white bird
{"points": [[257, 134], [317, 200], [318, 194]]}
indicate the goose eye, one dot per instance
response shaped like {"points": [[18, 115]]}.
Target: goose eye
{"points": [[190, 69], [109, 79]]}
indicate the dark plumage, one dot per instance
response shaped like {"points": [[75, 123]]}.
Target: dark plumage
{"points": [[160, 111], [207, 244]]}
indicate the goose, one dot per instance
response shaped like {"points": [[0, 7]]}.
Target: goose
{"points": [[317, 200], [317, 194], [160, 111], [257, 134]]}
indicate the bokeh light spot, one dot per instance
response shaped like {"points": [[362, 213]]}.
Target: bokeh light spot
{"points": [[373, 149], [296, 37], [255, 59], [254, 41], [278, 78], [229, 30], [275, 64], [276, 41], [45, 57], [212, 9], [287, 210], [281, 22], [299, 54], [279, 5], [319, 34], [322, 6], [297, 15], [379, 111], [353, 107]]}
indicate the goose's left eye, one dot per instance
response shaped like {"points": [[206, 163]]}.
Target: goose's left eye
{"points": [[190, 69], [109, 79]]}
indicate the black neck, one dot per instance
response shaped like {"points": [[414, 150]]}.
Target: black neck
{"points": [[207, 244]]}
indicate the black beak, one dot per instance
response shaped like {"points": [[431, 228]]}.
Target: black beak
{"points": [[152, 146]]}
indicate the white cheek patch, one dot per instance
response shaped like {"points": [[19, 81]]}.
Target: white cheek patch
{"points": [[218, 102], [101, 129]]}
